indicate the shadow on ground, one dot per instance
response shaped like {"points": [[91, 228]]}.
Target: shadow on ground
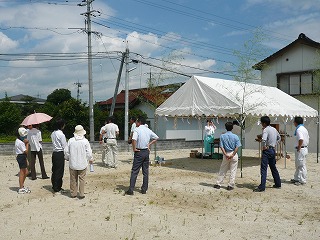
{"points": [[207, 165]]}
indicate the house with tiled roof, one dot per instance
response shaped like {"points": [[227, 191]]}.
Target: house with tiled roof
{"points": [[293, 70], [21, 99], [144, 99]]}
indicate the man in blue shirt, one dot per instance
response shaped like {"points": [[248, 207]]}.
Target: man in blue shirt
{"points": [[229, 145], [142, 138]]}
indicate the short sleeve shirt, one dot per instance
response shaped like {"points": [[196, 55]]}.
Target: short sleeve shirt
{"points": [[111, 129], [19, 146], [35, 139], [302, 134], [143, 135], [229, 141]]}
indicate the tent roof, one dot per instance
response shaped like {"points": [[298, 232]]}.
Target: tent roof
{"points": [[219, 97]]}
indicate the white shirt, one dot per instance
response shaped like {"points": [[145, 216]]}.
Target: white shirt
{"points": [[143, 135], [78, 152], [209, 130], [19, 146], [103, 133], [59, 141], [133, 127], [270, 137], [111, 129], [34, 137], [302, 134]]}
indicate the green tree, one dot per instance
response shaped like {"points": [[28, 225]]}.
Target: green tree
{"points": [[74, 113], [10, 118], [59, 96], [100, 117]]}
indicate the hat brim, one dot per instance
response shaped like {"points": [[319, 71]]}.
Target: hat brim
{"points": [[80, 133]]}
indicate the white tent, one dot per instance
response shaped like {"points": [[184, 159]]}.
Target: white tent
{"points": [[203, 96], [208, 97]]}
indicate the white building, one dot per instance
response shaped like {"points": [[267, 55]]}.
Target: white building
{"points": [[291, 69]]}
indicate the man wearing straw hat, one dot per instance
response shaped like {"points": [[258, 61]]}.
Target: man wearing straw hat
{"points": [[78, 152]]}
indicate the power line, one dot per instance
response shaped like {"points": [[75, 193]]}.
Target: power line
{"points": [[206, 19]]}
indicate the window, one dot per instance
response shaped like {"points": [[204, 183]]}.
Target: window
{"points": [[297, 83]]}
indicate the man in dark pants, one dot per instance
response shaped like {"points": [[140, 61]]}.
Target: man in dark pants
{"points": [[59, 142], [270, 137], [35, 140], [142, 138]]}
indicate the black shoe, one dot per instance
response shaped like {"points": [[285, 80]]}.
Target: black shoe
{"points": [[128, 192], [294, 181], [143, 191], [229, 188], [275, 186], [34, 178], [216, 186], [258, 190], [82, 197], [46, 177]]}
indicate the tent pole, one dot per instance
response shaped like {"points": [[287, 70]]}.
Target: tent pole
{"points": [[241, 140], [155, 130], [202, 129], [318, 118], [285, 144]]}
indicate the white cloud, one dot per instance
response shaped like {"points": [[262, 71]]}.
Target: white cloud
{"points": [[6, 44], [45, 29], [290, 29]]}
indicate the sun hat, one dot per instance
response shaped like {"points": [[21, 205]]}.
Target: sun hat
{"points": [[22, 132], [78, 130]]}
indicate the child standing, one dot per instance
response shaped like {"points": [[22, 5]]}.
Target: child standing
{"points": [[21, 149]]}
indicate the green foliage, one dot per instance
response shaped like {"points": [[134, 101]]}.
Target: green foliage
{"points": [[59, 96], [251, 53], [10, 118], [100, 117], [74, 113]]}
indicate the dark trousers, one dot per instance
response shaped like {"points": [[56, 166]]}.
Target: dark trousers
{"points": [[33, 164], [269, 158], [57, 170], [141, 159]]}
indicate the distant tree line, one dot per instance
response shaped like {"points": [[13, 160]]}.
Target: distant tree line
{"points": [[59, 104]]}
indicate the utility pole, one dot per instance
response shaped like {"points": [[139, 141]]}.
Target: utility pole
{"points": [[88, 31], [126, 104], [114, 99], [79, 85]]}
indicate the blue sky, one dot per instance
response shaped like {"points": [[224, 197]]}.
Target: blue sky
{"points": [[43, 46]]}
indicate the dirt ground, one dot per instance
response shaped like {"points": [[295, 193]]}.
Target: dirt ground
{"points": [[181, 203]]}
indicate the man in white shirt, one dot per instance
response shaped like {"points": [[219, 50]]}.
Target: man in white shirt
{"points": [[102, 136], [133, 127], [78, 152], [111, 131], [35, 139], [59, 142], [142, 138], [302, 141]]}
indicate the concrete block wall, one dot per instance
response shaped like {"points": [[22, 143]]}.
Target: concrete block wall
{"points": [[170, 144]]}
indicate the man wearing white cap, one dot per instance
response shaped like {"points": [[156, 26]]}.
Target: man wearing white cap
{"points": [[78, 152]]}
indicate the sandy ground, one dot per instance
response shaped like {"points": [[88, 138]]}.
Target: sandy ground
{"points": [[181, 203]]}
